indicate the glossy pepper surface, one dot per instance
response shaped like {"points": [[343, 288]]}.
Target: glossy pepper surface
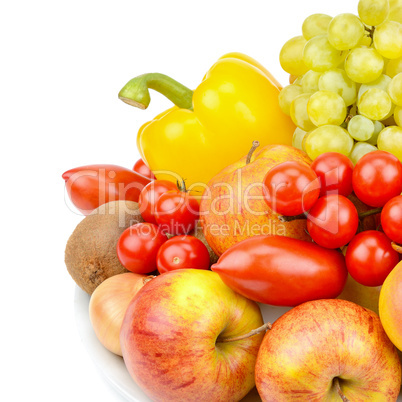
{"points": [[212, 127]]}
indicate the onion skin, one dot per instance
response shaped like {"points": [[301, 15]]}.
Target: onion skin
{"points": [[108, 306]]}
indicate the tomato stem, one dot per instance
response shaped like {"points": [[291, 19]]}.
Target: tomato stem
{"points": [[256, 331], [284, 218], [370, 212], [256, 144], [338, 389]]}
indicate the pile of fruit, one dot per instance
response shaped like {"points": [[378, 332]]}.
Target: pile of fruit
{"points": [[299, 205]]}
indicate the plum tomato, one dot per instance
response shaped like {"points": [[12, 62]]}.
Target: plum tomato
{"points": [[138, 247], [150, 195], [141, 168], [177, 212], [391, 219], [370, 258], [182, 252], [333, 221], [335, 172], [291, 188], [377, 177]]}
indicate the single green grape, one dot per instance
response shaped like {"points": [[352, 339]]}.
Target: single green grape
{"points": [[373, 12], [315, 24], [287, 95], [361, 128], [395, 89], [395, 11], [394, 67], [291, 56], [298, 80], [398, 116], [375, 104], [390, 140], [366, 40], [382, 82], [319, 55], [326, 107], [345, 31], [298, 137], [359, 150], [387, 39], [378, 127], [336, 80], [310, 81], [298, 112], [328, 139], [364, 64]]}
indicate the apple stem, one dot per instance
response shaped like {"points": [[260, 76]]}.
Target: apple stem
{"points": [[256, 144], [256, 331], [397, 247], [370, 212], [284, 218], [338, 389], [148, 279]]}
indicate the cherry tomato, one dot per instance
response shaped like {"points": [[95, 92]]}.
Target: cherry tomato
{"points": [[138, 247], [370, 258], [141, 168], [333, 221], [377, 178], [177, 212], [391, 219], [282, 271], [150, 195], [335, 172], [182, 252], [291, 188]]}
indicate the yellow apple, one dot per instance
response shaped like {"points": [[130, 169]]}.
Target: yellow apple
{"points": [[391, 305]]}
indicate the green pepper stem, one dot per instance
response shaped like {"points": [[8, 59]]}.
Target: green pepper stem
{"points": [[136, 91]]}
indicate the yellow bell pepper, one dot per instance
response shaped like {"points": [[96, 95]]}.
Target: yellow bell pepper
{"points": [[212, 127]]}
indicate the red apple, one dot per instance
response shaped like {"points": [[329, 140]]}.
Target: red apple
{"points": [[175, 334], [321, 343]]}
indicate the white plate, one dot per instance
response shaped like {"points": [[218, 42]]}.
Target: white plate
{"points": [[113, 367]]}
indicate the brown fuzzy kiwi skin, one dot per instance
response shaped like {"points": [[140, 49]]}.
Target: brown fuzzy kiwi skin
{"points": [[90, 254]]}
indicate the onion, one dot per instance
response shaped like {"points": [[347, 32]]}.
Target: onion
{"points": [[108, 305]]}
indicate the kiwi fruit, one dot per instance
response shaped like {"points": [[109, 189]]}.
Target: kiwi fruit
{"points": [[90, 254]]}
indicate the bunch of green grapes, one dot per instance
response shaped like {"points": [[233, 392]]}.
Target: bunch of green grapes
{"points": [[345, 92]]}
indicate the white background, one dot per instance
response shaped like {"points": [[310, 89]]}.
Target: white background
{"points": [[63, 64]]}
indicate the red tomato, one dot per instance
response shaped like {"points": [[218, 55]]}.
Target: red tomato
{"points": [[150, 195], [177, 212], [333, 221], [391, 219], [282, 271], [370, 258], [377, 178], [291, 188], [335, 172], [138, 247], [182, 252], [141, 168], [91, 186]]}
